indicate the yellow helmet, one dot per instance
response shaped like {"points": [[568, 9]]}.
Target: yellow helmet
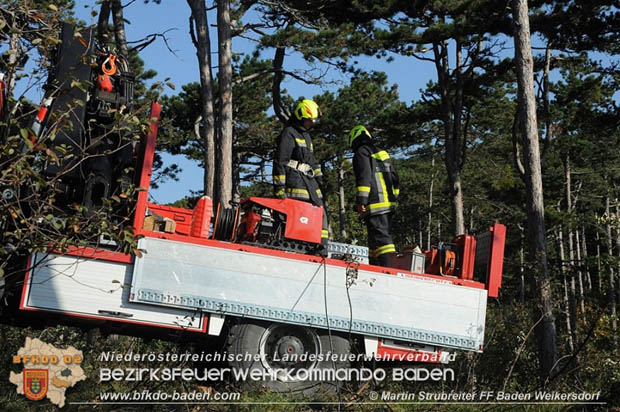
{"points": [[307, 109], [355, 132]]}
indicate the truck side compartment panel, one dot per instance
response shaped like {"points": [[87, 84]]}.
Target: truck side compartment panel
{"points": [[98, 289], [262, 286]]}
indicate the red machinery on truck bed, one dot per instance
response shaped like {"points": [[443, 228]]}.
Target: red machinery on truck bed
{"points": [[255, 265]]}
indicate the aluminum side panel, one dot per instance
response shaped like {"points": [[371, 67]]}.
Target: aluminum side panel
{"points": [[95, 288], [275, 288]]}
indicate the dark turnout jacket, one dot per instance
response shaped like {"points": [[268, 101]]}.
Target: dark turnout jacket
{"points": [[294, 167], [375, 177]]}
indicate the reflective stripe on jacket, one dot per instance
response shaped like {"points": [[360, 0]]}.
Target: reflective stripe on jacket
{"points": [[375, 178]]}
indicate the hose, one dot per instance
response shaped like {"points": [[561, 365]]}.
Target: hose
{"points": [[225, 224]]}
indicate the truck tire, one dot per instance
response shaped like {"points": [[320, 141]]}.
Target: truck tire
{"points": [[284, 353]]}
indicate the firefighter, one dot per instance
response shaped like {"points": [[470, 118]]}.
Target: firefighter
{"points": [[296, 173], [377, 190]]}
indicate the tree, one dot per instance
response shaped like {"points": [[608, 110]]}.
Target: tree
{"points": [[199, 31], [428, 34], [225, 87], [527, 127]]}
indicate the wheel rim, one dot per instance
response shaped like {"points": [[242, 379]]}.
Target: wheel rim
{"points": [[289, 348]]}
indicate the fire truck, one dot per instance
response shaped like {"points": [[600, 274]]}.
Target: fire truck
{"points": [[252, 271]]}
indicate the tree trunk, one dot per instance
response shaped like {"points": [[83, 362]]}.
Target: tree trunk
{"points": [[226, 105], [102, 22], [568, 313], [278, 60], [599, 275], [430, 205], [420, 233], [456, 194], [617, 253], [199, 31], [584, 255], [537, 254], [546, 98], [571, 250], [521, 266], [612, 288], [580, 276], [119, 29], [573, 305], [456, 148], [450, 113], [569, 318], [263, 172], [236, 178]]}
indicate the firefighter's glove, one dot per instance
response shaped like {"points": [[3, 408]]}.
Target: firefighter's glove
{"points": [[279, 192]]}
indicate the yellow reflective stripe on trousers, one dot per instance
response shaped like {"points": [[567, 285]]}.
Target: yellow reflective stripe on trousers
{"points": [[325, 234], [385, 249]]}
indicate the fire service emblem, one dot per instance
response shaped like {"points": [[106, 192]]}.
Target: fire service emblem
{"points": [[35, 383]]}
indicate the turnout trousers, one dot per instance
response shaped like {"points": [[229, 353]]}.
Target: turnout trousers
{"points": [[380, 243]]}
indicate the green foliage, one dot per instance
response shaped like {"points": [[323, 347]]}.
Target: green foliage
{"points": [[34, 216]]}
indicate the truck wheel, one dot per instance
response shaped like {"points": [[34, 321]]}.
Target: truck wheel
{"points": [[291, 358]]}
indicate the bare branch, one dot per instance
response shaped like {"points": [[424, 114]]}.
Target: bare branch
{"points": [[152, 37], [278, 61], [197, 130]]}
